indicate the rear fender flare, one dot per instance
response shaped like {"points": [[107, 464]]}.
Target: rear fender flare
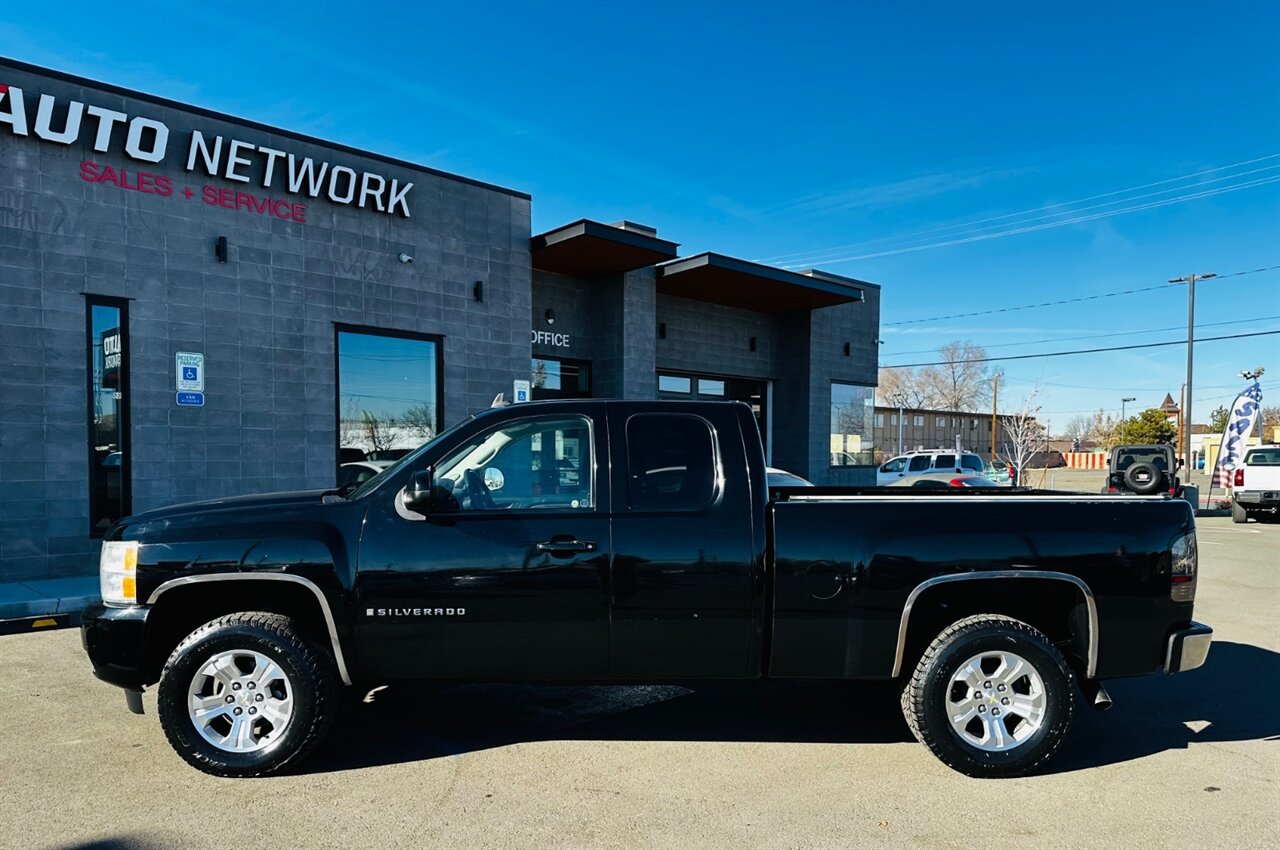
{"points": [[1091, 653]]}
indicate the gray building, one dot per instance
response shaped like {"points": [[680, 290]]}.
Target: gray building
{"points": [[195, 306]]}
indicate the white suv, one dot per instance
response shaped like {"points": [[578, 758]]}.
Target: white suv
{"points": [[922, 463]]}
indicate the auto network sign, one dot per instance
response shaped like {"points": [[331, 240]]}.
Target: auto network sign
{"points": [[148, 141]]}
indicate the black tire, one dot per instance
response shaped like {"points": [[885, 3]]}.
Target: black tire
{"points": [[311, 676], [1238, 513], [925, 696], [1144, 479]]}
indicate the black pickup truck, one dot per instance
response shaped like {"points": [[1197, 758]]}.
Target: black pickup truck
{"points": [[616, 541]]}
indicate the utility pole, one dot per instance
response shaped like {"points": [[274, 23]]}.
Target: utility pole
{"points": [[1190, 281], [902, 403], [995, 398]]}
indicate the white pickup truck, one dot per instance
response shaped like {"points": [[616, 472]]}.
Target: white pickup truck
{"points": [[1255, 488]]}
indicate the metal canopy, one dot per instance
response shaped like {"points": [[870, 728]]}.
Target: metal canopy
{"points": [[590, 249], [717, 279]]}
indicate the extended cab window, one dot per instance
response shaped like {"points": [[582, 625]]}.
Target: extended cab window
{"points": [[671, 462], [1265, 457], [919, 463], [945, 462], [542, 463]]}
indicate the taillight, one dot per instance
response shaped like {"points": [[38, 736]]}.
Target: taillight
{"points": [[957, 482], [1239, 479], [1184, 557], [1111, 489]]}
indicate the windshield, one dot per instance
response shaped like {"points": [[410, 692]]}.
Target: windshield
{"points": [[407, 460]]}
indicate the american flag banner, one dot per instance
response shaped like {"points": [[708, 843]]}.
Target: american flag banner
{"points": [[1244, 415]]}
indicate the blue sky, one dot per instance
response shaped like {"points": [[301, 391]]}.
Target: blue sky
{"points": [[856, 136]]}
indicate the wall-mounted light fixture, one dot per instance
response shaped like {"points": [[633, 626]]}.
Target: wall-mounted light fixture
{"points": [[220, 249], [405, 258], [550, 316], [751, 344], [477, 291], [662, 330]]}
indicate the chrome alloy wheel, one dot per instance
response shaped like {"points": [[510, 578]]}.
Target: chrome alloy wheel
{"points": [[240, 701], [996, 701]]}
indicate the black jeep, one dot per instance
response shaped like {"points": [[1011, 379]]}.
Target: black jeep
{"points": [[1143, 471]]}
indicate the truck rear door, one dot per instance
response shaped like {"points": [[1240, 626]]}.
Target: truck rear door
{"points": [[686, 598]]}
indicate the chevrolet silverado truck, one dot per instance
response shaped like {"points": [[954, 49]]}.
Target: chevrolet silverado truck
{"points": [[1255, 485], [634, 542]]}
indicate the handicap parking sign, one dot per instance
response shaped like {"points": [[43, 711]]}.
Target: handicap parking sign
{"points": [[189, 374]]}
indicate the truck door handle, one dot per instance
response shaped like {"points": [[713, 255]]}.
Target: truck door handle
{"points": [[561, 547]]}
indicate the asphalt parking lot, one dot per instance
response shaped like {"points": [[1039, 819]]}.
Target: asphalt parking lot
{"points": [[1190, 761]]}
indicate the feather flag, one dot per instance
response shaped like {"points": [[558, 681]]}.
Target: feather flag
{"points": [[1244, 415]]}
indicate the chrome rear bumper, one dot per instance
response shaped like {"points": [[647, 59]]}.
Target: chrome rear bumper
{"points": [[1188, 648]]}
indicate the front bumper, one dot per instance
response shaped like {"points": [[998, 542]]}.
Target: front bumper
{"points": [[115, 640], [1188, 648]]}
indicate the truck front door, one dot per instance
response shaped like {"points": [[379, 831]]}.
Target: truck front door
{"points": [[506, 577]]}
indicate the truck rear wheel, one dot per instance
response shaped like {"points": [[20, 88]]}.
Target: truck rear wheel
{"points": [[991, 697], [246, 695]]}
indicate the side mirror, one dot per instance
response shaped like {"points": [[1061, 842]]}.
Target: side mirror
{"points": [[418, 495]]}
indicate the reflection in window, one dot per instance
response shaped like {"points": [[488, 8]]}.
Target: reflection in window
{"points": [[560, 378], [540, 463], [674, 384], [109, 419], [710, 387], [388, 395], [671, 462], [852, 412]]}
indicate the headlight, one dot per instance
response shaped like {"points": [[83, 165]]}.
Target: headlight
{"points": [[1184, 558], [117, 572]]}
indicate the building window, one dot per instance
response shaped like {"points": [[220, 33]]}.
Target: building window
{"points": [[852, 414], [893, 419], [388, 393], [973, 424], [918, 421], [707, 386], [674, 384], [671, 462], [109, 466], [942, 422], [879, 420], [561, 378]]}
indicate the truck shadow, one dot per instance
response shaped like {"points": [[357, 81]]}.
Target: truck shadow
{"points": [[1232, 698]]}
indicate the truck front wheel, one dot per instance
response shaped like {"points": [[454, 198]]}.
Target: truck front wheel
{"points": [[246, 695], [991, 697]]}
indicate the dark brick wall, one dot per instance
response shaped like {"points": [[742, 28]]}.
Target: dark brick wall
{"points": [[264, 320]]}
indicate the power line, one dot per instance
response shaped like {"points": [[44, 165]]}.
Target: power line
{"points": [[840, 248], [1098, 336], [1085, 350], [1047, 225], [1078, 300]]}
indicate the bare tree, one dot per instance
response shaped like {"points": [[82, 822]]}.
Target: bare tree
{"points": [[377, 433], [350, 432], [961, 382], [1024, 437], [1078, 428], [1269, 417], [904, 383], [420, 421], [1106, 430]]}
